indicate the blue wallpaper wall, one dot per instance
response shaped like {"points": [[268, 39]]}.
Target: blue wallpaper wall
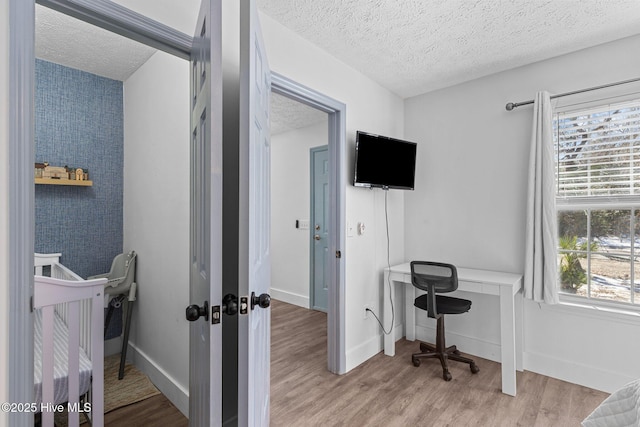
{"points": [[79, 123]]}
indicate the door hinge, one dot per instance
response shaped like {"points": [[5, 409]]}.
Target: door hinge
{"points": [[338, 254]]}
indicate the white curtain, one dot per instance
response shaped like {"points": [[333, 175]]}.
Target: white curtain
{"points": [[541, 259]]}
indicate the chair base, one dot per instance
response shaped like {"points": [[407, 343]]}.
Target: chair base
{"points": [[440, 351]]}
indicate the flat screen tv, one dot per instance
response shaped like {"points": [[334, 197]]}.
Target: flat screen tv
{"points": [[384, 162]]}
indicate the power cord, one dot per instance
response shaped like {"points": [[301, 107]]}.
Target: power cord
{"points": [[393, 314]]}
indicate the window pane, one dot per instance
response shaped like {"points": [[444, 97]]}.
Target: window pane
{"points": [[572, 245], [610, 264]]}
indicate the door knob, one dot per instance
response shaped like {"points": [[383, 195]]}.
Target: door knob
{"points": [[262, 301], [230, 304], [317, 237], [194, 312]]}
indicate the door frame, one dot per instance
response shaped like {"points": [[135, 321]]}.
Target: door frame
{"points": [[21, 106], [336, 110]]}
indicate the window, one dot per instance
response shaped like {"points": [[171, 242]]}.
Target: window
{"points": [[598, 201]]}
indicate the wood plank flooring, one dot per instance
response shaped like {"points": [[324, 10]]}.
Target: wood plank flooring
{"points": [[154, 411], [385, 391], [390, 391]]}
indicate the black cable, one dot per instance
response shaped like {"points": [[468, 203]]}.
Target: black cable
{"points": [[393, 314]]}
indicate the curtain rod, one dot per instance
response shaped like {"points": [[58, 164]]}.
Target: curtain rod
{"points": [[511, 105]]}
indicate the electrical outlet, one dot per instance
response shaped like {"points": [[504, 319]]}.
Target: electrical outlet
{"points": [[367, 307]]}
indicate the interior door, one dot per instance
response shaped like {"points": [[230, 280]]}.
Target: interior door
{"points": [[320, 223], [254, 240], [205, 257]]}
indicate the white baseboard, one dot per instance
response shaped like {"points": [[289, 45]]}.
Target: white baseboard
{"points": [[363, 352], [175, 392], [466, 344], [565, 370], [290, 297], [369, 348], [575, 372]]}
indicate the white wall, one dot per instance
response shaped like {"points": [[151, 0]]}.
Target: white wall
{"points": [[290, 201], [469, 206], [156, 219], [4, 204], [371, 108]]}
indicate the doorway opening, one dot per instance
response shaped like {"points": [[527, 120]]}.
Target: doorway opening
{"points": [[334, 268], [22, 217]]}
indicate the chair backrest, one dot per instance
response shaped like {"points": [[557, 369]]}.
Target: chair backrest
{"points": [[123, 269], [440, 277]]}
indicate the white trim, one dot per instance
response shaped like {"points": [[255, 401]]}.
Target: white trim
{"points": [[465, 343], [575, 372], [172, 389], [363, 352], [596, 309], [290, 297]]}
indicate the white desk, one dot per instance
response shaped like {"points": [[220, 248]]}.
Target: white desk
{"points": [[506, 286]]}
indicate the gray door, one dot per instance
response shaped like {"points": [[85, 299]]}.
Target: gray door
{"points": [[205, 282], [320, 226], [254, 336]]}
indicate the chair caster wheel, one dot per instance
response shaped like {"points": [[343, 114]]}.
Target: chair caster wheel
{"points": [[447, 376], [416, 362], [474, 368]]}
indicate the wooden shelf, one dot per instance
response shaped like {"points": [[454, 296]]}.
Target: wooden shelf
{"points": [[50, 181]]}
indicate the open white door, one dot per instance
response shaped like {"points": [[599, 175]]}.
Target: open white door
{"points": [[254, 256], [205, 334]]}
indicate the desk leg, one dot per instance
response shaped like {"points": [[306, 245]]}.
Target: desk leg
{"points": [[519, 331], [508, 340], [409, 312], [388, 298]]}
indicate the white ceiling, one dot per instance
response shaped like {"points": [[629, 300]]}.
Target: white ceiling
{"points": [[76, 44], [287, 115], [415, 46], [408, 46]]}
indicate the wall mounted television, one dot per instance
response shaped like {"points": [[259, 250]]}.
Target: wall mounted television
{"points": [[384, 162]]}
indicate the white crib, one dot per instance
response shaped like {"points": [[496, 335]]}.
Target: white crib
{"points": [[68, 341]]}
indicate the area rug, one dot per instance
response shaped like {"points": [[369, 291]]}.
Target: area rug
{"points": [[134, 387]]}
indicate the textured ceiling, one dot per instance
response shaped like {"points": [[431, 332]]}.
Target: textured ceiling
{"points": [[408, 46], [415, 46], [287, 115], [76, 44]]}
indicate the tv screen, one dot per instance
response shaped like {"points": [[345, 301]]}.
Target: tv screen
{"points": [[384, 162]]}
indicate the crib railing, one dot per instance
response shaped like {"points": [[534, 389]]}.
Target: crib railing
{"points": [[81, 309], [50, 264], [50, 293]]}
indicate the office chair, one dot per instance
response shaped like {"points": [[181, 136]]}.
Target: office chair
{"points": [[434, 278]]}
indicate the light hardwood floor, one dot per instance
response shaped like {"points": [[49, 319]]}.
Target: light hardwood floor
{"points": [[390, 391], [385, 391]]}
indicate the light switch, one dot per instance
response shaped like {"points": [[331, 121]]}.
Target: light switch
{"points": [[361, 228], [303, 224]]}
